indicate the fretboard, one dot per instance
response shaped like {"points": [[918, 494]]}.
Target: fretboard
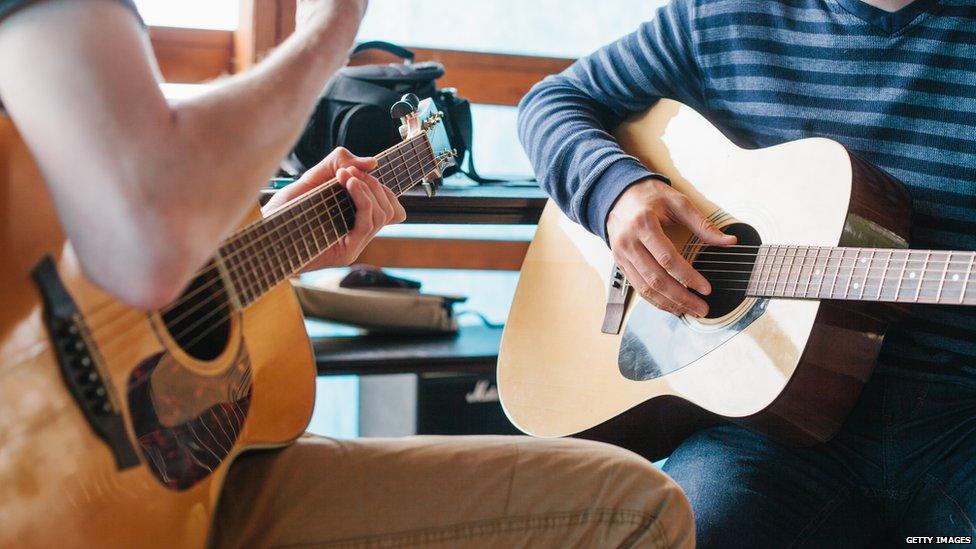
{"points": [[271, 250], [867, 274]]}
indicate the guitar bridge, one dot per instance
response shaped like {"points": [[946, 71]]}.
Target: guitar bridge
{"points": [[78, 366], [617, 295]]}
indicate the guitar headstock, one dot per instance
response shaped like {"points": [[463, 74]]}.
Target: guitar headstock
{"points": [[423, 118]]}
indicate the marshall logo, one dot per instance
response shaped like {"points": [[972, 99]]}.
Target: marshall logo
{"points": [[483, 391]]}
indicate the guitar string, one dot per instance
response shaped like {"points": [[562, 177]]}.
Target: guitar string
{"points": [[220, 303], [331, 185], [345, 208], [719, 287], [212, 299], [783, 248]]}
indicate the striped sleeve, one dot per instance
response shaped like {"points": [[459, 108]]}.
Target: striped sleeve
{"points": [[565, 121]]}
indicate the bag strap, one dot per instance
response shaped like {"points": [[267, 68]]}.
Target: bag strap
{"points": [[399, 51], [465, 129], [351, 90]]}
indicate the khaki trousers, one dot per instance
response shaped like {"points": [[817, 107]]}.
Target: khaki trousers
{"points": [[482, 491]]}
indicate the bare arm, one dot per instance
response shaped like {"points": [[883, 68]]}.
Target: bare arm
{"points": [[144, 189]]}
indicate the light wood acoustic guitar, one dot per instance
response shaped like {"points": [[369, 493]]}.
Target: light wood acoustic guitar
{"points": [[797, 316], [118, 426]]}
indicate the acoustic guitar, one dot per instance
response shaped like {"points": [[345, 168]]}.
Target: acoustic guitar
{"points": [[797, 315], [118, 426]]}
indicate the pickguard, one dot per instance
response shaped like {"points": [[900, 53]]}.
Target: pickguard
{"points": [[186, 424], [656, 343]]}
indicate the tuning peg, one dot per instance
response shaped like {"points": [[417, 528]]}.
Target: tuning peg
{"points": [[412, 99], [401, 109], [430, 187]]}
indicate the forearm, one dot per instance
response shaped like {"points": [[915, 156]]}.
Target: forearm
{"points": [[146, 190], [235, 136], [565, 122]]}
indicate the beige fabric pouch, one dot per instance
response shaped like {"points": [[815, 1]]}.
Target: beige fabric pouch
{"points": [[378, 310]]}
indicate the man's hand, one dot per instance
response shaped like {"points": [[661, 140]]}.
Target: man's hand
{"points": [[376, 205], [648, 258]]}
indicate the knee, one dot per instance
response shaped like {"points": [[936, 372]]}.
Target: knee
{"points": [[630, 482]]}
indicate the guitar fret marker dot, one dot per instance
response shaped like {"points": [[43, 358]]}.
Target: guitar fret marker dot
{"points": [[955, 277], [856, 285], [911, 275]]}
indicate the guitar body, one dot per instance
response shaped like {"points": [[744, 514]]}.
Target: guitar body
{"points": [[791, 368], [179, 421]]}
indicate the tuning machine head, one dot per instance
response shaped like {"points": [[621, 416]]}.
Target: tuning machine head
{"points": [[430, 185], [405, 110]]}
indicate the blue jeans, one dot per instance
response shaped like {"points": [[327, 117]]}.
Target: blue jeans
{"points": [[903, 465]]}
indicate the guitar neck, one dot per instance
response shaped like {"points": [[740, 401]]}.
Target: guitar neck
{"points": [[865, 274], [269, 251]]}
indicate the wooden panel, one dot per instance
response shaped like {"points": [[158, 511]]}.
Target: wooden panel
{"points": [[263, 25], [431, 253], [482, 77], [192, 55]]}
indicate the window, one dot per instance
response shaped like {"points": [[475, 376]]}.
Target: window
{"points": [[202, 14], [553, 28]]}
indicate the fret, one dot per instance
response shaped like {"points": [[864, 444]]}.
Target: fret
{"points": [[799, 270], [308, 249], [901, 277], [336, 205], [770, 269], [323, 205], [821, 271], [250, 276], [243, 268], [867, 272], [309, 242], [286, 243], [396, 171], [965, 282], [317, 246], [254, 272], [833, 283], [921, 277], [789, 253], [759, 267], [850, 275], [781, 262], [942, 279], [298, 235], [884, 275], [227, 256], [933, 279], [271, 246], [813, 269], [424, 160]]}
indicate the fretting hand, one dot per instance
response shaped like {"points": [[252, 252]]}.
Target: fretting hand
{"points": [[376, 205]]}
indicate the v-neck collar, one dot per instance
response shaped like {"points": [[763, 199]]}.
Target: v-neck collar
{"points": [[891, 22]]}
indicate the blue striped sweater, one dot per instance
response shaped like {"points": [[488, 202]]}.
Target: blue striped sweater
{"points": [[899, 89]]}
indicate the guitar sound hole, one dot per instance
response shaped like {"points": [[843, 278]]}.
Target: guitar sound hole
{"points": [[728, 269], [199, 320]]}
